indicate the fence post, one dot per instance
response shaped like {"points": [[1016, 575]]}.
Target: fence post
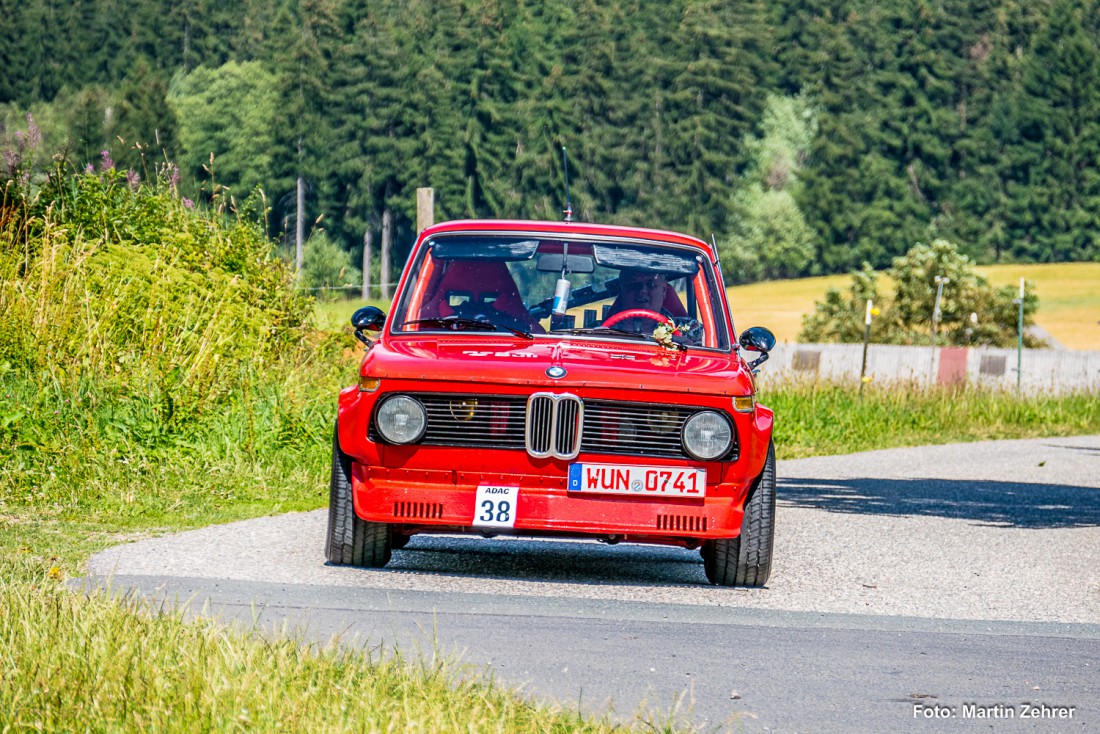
{"points": [[1020, 340], [866, 341], [425, 208]]}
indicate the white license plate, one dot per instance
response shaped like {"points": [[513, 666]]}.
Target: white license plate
{"points": [[653, 481], [495, 506]]}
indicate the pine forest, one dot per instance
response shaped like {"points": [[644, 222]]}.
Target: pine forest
{"points": [[805, 136]]}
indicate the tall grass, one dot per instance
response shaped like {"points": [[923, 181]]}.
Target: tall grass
{"points": [[156, 366], [136, 290], [72, 662]]}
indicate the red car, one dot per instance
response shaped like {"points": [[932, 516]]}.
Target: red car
{"points": [[557, 379]]}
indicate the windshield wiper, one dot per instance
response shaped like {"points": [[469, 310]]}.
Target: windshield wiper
{"points": [[457, 323], [601, 331], [606, 331]]}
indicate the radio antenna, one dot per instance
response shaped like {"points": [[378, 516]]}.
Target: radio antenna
{"points": [[568, 202]]}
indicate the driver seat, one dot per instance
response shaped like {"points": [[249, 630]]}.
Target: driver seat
{"points": [[478, 286]]}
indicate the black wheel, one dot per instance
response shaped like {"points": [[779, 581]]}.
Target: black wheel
{"points": [[747, 560], [351, 541]]}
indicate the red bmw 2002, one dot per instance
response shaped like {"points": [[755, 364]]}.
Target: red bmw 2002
{"points": [[557, 379]]}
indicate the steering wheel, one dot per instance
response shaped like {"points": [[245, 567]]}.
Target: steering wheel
{"points": [[638, 313]]}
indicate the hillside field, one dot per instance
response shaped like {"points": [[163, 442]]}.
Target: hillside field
{"points": [[1069, 300]]}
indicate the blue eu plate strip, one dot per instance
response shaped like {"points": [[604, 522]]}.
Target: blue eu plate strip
{"points": [[574, 477]]}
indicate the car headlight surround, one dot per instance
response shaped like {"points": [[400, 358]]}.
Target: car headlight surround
{"points": [[707, 435], [401, 419]]}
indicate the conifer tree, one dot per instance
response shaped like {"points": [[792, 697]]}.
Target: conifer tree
{"points": [[1055, 209], [304, 40]]}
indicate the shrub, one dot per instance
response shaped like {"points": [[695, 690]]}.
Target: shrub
{"points": [[972, 312], [327, 268]]}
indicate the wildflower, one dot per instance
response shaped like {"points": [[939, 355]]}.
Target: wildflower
{"points": [[55, 573], [174, 176], [106, 162], [11, 159], [132, 178], [89, 168], [187, 202]]}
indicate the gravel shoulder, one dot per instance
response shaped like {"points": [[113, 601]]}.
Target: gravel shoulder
{"points": [[1005, 530]]}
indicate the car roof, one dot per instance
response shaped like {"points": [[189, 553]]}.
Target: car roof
{"points": [[566, 229]]}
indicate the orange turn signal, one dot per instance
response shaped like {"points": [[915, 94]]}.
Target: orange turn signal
{"points": [[368, 384], [744, 403]]}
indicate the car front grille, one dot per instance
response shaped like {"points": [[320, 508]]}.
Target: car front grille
{"points": [[474, 421], [557, 425], [638, 429], [554, 425]]}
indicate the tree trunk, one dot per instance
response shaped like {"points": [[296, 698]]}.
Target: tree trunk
{"points": [[387, 243], [300, 227], [366, 263]]}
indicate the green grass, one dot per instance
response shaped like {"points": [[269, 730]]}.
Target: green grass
{"points": [[156, 375], [74, 662], [820, 420], [336, 315], [1069, 300]]}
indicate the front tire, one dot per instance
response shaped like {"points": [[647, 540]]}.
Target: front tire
{"points": [[351, 540], [747, 560]]}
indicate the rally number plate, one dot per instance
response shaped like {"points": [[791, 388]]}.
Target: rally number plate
{"points": [[495, 506], [656, 481]]}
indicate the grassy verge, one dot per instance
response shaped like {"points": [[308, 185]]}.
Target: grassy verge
{"points": [[76, 662], [819, 420], [83, 474]]}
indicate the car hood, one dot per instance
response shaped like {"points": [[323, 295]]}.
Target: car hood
{"points": [[587, 363]]}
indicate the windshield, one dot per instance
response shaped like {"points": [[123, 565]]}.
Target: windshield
{"points": [[533, 286]]}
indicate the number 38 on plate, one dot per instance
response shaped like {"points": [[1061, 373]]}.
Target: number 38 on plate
{"points": [[495, 506]]}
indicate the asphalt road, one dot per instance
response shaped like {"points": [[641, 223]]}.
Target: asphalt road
{"points": [[914, 590]]}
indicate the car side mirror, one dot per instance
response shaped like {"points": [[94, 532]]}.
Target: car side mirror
{"points": [[367, 318], [757, 339]]}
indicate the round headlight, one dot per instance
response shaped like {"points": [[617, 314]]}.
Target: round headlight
{"points": [[401, 419], [707, 435]]}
